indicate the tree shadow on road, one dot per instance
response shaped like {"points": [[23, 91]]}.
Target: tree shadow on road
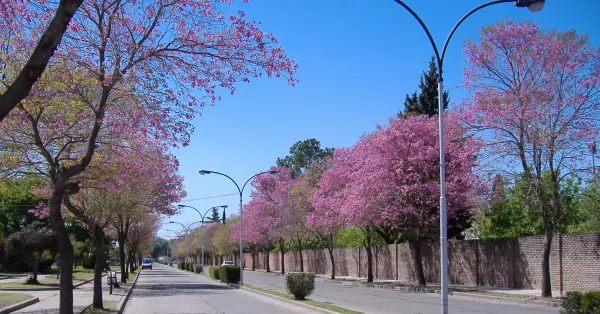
{"points": [[169, 289]]}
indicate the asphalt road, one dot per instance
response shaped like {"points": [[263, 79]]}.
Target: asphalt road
{"points": [[383, 301], [166, 290]]}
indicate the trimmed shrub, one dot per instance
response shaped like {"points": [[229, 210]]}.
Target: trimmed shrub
{"points": [[213, 272], [198, 268], [229, 274], [581, 303], [181, 265], [299, 284]]}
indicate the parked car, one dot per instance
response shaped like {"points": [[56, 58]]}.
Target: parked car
{"points": [[147, 263], [228, 263]]}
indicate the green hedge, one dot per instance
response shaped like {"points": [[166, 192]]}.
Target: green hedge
{"points": [[300, 285], [229, 274], [198, 268], [181, 265], [581, 303], [213, 272]]}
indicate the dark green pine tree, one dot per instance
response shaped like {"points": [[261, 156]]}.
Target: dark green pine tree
{"points": [[215, 217], [426, 101]]}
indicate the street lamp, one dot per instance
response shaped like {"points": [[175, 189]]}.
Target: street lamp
{"points": [[185, 239], [533, 6], [177, 234], [202, 225], [241, 191]]}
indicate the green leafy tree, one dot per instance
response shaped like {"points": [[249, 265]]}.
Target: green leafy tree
{"points": [[33, 240], [513, 209], [16, 199], [589, 209], [302, 154], [426, 101]]}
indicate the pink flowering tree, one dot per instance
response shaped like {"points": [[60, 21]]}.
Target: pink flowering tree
{"points": [[271, 197], [391, 178], [124, 66], [332, 203], [536, 95], [26, 21], [314, 219]]}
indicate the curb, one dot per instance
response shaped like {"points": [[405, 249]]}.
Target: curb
{"points": [[123, 302], [509, 299], [312, 308], [20, 305]]}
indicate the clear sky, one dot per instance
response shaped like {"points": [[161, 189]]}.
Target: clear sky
{"points": [[358, 59]]}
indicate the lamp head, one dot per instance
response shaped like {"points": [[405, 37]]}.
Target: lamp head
{"points": [[171, 222], [181, 206], [532, 5], [274, 171], [203, 172]]}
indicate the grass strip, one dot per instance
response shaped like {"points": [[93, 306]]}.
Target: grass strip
{"points": [[8, 299], [327, 306], [109, 307]]}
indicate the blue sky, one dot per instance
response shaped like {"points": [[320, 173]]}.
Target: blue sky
{"points": [[358, 59]]}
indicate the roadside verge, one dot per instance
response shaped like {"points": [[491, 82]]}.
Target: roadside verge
{"points": [[20, 305]]}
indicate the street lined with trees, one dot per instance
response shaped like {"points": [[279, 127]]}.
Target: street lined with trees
{"points": [[95, 94]]}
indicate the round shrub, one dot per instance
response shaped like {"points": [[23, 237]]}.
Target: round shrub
{"points": [[299, 284]]}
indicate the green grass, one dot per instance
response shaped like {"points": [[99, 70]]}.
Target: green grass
{"points": [[322, 305], [109, 307], [79, 274], [7, 299]]}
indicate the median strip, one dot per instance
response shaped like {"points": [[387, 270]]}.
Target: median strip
{"points": [[330, 308]]}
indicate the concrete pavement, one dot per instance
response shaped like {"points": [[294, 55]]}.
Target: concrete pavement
{"points": [[167, 290], [384, 301], [82, 297]]}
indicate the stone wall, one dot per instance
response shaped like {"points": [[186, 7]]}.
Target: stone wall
{"points": [[510, 262]]}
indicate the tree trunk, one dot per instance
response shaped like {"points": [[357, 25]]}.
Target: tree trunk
{"points": [[330, 249], [35, 267], [131, 257], [300, 252], [267, 262], [121, 241], [253, 255], [369, 256], [98, 267], [418, 261], [546, 284], [65, 248], [282, 249]]}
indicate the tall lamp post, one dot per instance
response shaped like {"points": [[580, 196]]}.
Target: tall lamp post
{"points": [[203, 220], [241, 191], [534, 6], [177, 234]]}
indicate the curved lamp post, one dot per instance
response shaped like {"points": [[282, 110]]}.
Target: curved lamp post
{"points": [[177, 234], [202, 225], [187, 231], [241, 191], [534, 6]]}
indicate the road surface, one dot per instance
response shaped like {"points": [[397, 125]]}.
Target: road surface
{"points": [[384, 301], [166, 290]]}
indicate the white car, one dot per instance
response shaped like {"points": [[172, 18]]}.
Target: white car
{"points": [[147, 263], [228, 263]]}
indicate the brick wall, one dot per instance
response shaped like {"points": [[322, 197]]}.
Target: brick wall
{"points": [[510, 262]]}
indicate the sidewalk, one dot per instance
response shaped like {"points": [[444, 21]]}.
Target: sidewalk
{"points": [[82, 297], [431, 287]]}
